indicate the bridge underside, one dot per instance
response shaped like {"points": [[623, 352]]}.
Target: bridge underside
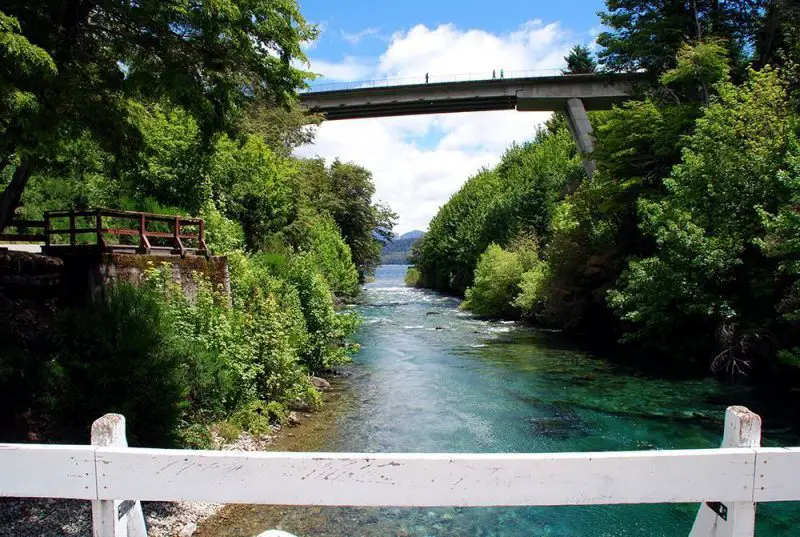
{"points": [[596, 91], [408, 108], [571, 94]]}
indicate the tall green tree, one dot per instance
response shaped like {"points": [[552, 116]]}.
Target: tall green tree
{"points": [[345, 191], [709, 274], [647, 34], [76, 63], [579, 61]]}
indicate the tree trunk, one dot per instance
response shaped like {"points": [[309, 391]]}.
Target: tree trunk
{"points": [[9, 199]]}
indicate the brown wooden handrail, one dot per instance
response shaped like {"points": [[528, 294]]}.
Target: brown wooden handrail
{"points": [[97, 222]]}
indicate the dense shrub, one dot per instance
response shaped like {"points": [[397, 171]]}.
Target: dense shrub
{"points": [[327, 330], [117, 355], [497, 279]]}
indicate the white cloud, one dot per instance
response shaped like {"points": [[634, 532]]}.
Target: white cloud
{"points": [[418, 162], [351, 68], [356, 37]]}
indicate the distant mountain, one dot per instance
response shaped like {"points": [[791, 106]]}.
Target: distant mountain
{"points": [[416, 234], [397, 251]]}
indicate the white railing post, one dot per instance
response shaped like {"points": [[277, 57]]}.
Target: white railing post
{"points": [[715, 519], [115, 518]]}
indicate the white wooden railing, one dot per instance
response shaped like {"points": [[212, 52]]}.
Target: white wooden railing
{"points": [[729, 481]]}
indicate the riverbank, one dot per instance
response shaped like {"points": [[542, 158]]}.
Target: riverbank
{"points": [[31, 517]]}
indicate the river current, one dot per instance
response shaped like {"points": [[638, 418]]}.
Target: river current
{"points": [[431, 378]]}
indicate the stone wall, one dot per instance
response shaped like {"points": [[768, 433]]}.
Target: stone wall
{"points": [[73, 277]]}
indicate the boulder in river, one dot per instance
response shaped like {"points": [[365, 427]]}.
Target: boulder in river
{"points": [[320, 383]]}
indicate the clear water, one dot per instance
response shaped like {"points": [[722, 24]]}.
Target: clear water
{"points": [[431, 378]]}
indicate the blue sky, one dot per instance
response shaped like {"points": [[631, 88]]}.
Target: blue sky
{"points": [[418, 162]]}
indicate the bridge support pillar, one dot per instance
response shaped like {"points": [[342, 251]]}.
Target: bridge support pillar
{"points": [[581, 129]]}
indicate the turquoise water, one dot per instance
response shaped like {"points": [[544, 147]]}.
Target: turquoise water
{"points": [[431, 378]]}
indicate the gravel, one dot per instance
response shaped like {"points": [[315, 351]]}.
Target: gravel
{"points": [[28, 517]]}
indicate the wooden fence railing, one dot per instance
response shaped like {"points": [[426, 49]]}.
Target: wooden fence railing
{"points": [[24, 231], [728, 481], [114, 230]]}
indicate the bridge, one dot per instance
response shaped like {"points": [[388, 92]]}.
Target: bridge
{"points": [[571, 94]]}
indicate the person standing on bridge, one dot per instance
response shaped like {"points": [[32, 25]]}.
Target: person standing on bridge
{"points": [[426, 78], [494, 74], [501, 73]]}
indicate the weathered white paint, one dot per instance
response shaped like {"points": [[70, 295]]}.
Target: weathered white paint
{"points": [[109, 471], [742, 429], [275, 533], [725, 474], [777, 475], [106, 522], [425, 479], [46, 471]]}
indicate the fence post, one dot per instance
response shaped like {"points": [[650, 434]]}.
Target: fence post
{"points": [[71, 227], [115, 518], [714, 519], [98, 225], [144, 243], [47, 228]]}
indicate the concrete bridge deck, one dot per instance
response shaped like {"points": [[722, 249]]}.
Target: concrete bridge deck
{"points": [[543, 93]]}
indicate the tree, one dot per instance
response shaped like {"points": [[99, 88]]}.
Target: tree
{"points": [[344, 191], [579, 61], [647, 34], [79, 62], [708, 272]]}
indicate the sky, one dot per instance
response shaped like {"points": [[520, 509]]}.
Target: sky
{"points": [[418, 162]]}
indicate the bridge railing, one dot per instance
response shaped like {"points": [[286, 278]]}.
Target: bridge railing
{"points": [[23, 231], [124, 230], [731, 479], [432, 79]]}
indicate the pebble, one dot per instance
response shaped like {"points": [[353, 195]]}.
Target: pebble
{"points": [[28, 517], [188, 530]]}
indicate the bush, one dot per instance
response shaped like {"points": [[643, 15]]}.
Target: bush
{"points": [[497, 279], [413, 277], [257, 417], [195, 436], [327, 331], [227, 430], [117, 355]]}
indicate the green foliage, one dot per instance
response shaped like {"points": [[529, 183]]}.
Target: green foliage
{"points": [[517, 197], [579, 61], [707, 270], [118, 355], [327, 329], [324, 243], [253, 186], [222, 234], [497, 279], [647, 34], [413, 278], [68, 72], [705, 63], [227, 430], [23, 65], [195, 436], [344, 191], [257, 417]]}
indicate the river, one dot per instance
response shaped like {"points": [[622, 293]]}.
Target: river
{"points": [[431, 378]]}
